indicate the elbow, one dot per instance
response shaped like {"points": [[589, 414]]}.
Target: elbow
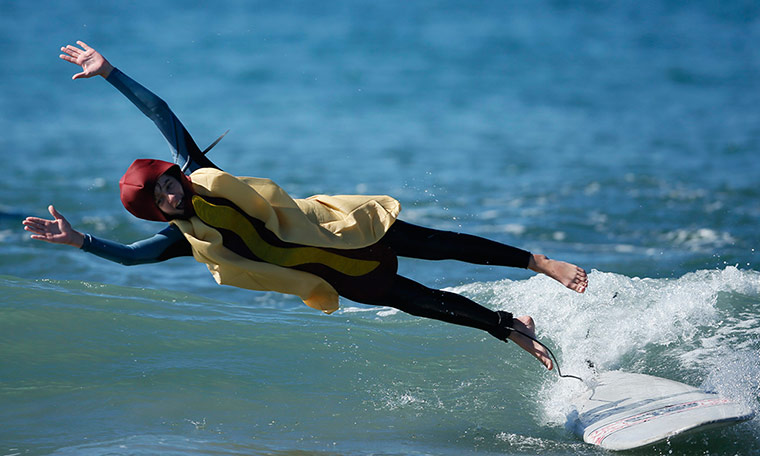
{"points": [[132, 261], [161, 105], [158, 107]]}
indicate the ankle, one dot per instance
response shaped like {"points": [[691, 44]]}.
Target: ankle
{"points": [[503, 328], [536, 263]]}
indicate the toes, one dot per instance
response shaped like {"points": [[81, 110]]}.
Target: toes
{"points": [[544, 359], [579, 287]]}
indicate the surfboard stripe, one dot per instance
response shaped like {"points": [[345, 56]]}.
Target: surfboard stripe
{"points": [[597, 436]]}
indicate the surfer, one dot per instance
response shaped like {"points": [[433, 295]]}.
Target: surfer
{"points": [[252, 234]]}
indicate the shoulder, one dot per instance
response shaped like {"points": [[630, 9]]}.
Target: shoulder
{"points": [[206, 173], [207, 178], [211, 178]]}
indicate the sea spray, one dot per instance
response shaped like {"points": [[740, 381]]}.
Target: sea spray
{"points": [[700, 328]]}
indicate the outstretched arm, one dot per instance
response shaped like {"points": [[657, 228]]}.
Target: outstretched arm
{"points": [[168, 243], [182, 145]]}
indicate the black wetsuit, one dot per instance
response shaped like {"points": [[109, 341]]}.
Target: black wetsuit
{"points": [[405, 239]]}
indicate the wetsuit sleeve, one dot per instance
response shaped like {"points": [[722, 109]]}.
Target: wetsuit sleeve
{"points": [[168, 243], [182, 145]]}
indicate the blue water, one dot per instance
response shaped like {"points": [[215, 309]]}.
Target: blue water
{"points": [[621, 136]]}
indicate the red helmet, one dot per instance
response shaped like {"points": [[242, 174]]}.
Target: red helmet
{"points": [[138, 184]]}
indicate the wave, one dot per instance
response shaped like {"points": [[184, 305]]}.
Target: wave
{"points": [[95, 363], [702, 328]]}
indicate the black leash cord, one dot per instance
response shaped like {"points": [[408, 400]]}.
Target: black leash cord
{"points": [[559, 371]]}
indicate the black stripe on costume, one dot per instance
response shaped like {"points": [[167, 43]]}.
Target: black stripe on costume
{"points": [[361, 275]]}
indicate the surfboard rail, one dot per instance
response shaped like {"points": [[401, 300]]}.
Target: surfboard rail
{"points": [[623, 411]]}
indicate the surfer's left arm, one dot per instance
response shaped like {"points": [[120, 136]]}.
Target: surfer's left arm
{"points": [[182, 145]]}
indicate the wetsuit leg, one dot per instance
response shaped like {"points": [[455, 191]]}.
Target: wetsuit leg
{"points": [[419, 300], [415, 241]]}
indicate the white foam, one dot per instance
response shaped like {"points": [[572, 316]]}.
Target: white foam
{"points": [[393, 400], [628, 323], [379, 311], [699, 239]]}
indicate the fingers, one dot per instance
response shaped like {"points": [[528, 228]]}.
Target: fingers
{"points": [[37, 232], [56, 215], [71, 54], [34, 220], [34, 229], [43, 237], [72, 51], [36, 225]]}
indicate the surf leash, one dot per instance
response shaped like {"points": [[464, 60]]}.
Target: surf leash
{"points": [[205, 151], [559, 371]]}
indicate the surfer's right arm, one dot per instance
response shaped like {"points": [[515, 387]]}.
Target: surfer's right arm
{"points": [[168, 243]]}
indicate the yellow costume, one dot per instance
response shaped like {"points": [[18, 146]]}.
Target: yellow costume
{"points": [[335, 222]]}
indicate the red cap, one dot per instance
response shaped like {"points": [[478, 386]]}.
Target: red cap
{"points": [[138, 184]]}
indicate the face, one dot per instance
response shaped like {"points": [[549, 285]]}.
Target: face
{"points": [[169, 195]]}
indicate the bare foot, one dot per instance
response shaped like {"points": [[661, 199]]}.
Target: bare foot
{"points": [[569, 275], [526, 325]]}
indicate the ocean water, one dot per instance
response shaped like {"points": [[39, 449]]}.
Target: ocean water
{"points": [[620, 136]]}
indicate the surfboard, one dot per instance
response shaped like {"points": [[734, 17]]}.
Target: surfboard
{"points": [[622, 411]]}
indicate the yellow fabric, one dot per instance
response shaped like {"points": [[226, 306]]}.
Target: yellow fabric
{"points": [[226, 217], [341, 222]]}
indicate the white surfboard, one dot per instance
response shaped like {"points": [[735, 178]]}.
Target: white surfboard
{"points": [[622, 411]]}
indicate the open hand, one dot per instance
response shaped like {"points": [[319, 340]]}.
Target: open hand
{"points": [[56, 231], [92, 63]]}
